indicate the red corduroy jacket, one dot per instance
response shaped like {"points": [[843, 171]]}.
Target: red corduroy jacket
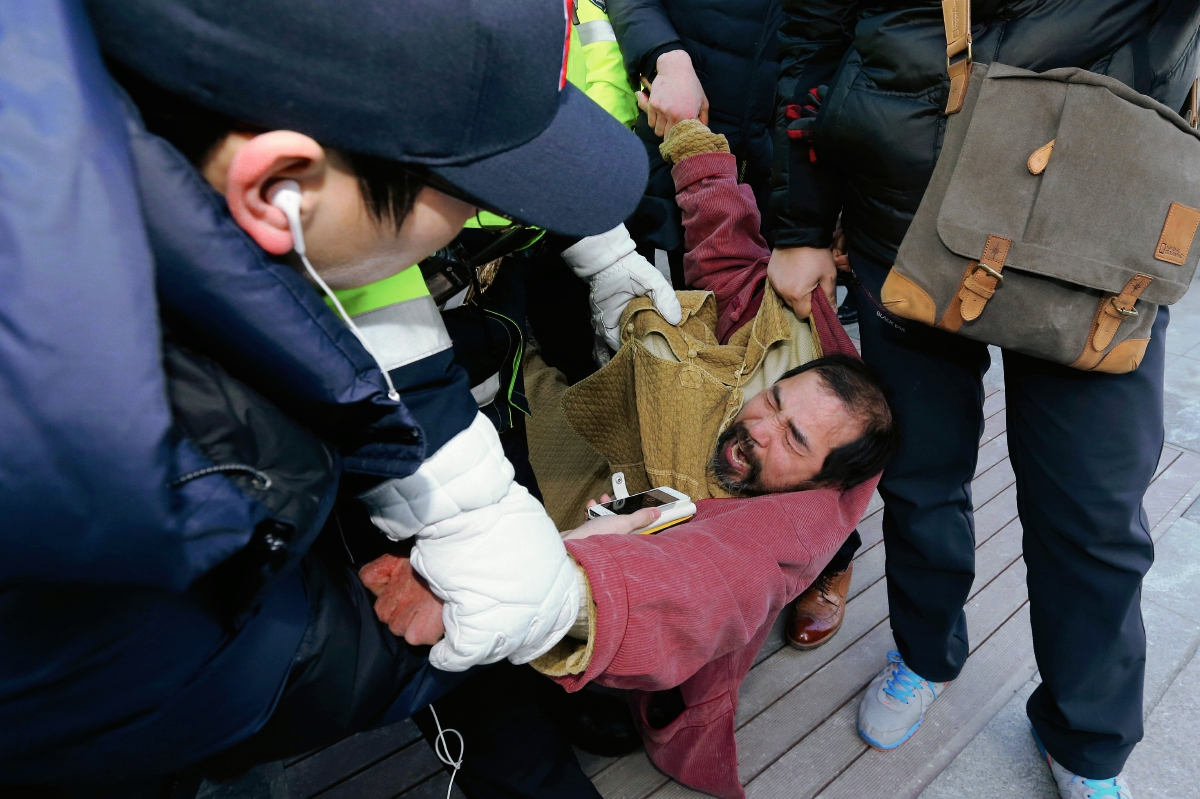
{"points": [[693, 605]]}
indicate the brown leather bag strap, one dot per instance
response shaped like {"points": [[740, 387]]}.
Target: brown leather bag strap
{"points": [[1110, 313], [1116, 310], [956, 14], [983, 278], [1191, 106]]}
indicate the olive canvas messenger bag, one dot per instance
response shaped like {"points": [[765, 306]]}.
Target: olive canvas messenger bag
{"points": [[1061, 213]]}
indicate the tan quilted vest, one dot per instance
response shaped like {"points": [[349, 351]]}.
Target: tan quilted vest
{"points": [[656, 409]]}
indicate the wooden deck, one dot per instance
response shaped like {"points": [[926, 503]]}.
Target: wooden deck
{"points": [[796, 717]]}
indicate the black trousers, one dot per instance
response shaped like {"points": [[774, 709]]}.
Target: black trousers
{"points": [[350, 674], [1084, 448]]}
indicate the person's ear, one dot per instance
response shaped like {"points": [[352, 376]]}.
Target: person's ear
{"points": [[262, 162]]}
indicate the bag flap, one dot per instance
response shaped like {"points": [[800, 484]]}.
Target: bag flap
{"points": [[1117, 196]]}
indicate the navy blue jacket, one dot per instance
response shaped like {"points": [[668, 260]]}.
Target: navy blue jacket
{"points": [[115, 663]]}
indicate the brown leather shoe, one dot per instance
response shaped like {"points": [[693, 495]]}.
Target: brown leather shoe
{"points": [[817, 613]]}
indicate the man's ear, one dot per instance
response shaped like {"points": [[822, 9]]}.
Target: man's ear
{"points": [[260, 163]]}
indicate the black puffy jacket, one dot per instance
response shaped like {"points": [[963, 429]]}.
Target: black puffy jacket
{"points": [[734, 49], [880, 129]]}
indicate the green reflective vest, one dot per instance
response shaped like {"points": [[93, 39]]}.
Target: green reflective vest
{"points": [[600, 73]]}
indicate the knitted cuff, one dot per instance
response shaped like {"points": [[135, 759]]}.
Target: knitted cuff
{"points": [[691, 137]]}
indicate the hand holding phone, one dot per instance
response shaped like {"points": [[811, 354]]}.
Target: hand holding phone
{"points": [[674, 507], [614, 525]]}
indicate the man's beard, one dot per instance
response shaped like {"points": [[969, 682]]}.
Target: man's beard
{"points": [[725, 472]]}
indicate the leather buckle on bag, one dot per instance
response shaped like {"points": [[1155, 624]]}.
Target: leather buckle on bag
{"points": [[999, 277], [1126, 312], [970, 54]]}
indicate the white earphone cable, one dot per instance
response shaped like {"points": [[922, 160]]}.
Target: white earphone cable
{"points": [[393, 394], [286, 197], [442, 749]]}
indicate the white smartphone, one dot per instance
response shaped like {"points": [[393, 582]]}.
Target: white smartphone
{"points": [[674, 506]]}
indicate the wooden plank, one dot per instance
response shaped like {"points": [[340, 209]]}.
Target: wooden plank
{"points": [[993, 404], [770, 680], [433, 788], [775, 640], [631, 777], [789, 667], [870, 530], [347, 757], [391, 776], [1168, 456], [876, 504], [1172, 485], [989, 484], [774, 731], [815, 761], [673, 790], [777, 729], [990, 677], [868, 567], [834, 748], [592, 764], [991, 515], [993, 427], [997, 512], [992, 453]]}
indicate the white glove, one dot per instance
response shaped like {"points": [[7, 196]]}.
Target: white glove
{"points": [[487, 549], [617, 274]]}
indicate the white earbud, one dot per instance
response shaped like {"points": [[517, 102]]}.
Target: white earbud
{"points": [[285, 195]]}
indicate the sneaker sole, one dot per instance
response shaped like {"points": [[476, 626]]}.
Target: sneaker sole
{"points": [[871, 742]]}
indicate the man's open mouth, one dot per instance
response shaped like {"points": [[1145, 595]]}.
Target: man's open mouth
{"points": [[736, 458]]}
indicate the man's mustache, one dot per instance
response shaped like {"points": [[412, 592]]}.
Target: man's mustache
{"points": [[723, 469]]}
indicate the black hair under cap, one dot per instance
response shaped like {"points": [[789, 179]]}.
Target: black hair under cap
{"points": [[469, 89]]}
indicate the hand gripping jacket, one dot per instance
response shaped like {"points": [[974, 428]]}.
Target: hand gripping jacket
{"points": [[118, 541], [617, 273], [486, 547]]}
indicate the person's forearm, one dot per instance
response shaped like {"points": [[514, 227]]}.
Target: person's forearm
{"points": [[668, 604], [721, 235]]}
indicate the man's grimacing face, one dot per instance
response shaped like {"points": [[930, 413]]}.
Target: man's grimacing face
{"points": [[781, 437]]}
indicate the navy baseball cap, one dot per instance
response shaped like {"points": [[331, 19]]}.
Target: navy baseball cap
{"points": [[473, 91]]}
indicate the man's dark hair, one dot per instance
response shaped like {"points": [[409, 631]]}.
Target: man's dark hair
{"points": [[389, 188], [859, 389]]}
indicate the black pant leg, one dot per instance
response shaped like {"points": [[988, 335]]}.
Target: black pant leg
{"points": [[843, 557], [1084, 448], [934, 384], [513, 749]]}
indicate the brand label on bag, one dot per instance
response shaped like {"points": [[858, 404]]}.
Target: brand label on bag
{"points": [[1177, 234]]}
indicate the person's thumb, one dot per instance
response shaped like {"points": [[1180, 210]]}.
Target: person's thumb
{"points": [[828, 284], [642, 518], [443, 657], [802, 305], [643, 101], [667, 302]]}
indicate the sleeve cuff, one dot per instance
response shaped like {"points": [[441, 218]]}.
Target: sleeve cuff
{"points": [[573, 653], [803, 237], [649, 66]]}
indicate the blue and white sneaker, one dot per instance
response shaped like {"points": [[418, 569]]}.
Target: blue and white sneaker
{"points": [[895, 705], [1072, 786]]}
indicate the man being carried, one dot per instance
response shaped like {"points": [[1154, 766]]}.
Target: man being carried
{"points": [[741, 398]]}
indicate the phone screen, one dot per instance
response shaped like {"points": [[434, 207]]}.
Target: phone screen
{"points": [[653, 498]]}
